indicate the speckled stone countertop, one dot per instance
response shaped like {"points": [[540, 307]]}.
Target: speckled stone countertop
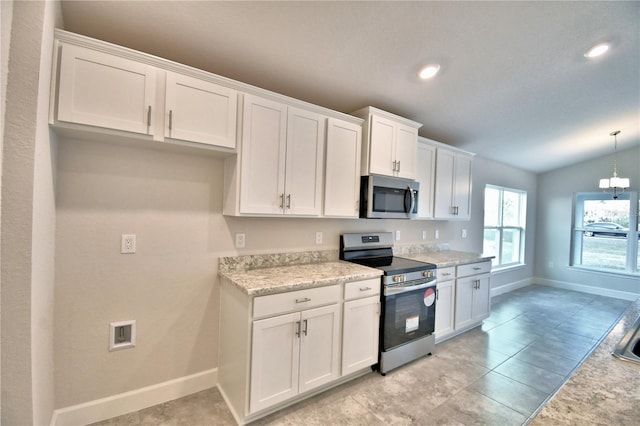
{"points": [[440, 255], [603, 391], [258, 275]]}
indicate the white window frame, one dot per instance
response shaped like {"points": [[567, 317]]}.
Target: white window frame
{"points": [[631, 265], [522, 210]]}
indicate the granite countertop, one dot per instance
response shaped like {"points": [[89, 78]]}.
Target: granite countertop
{"points": [[603, 390], [277, 279], [446, 258]]}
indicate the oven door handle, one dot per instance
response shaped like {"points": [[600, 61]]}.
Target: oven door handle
{"points": [[390, 291]]}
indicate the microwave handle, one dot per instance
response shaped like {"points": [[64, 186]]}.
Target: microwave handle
{"points": [[412, 197]]}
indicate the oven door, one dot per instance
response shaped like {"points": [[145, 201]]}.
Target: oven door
{"points": [[409, 313]]}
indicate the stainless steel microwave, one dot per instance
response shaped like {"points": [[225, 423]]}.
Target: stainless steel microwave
{"points": [[384, 197]]}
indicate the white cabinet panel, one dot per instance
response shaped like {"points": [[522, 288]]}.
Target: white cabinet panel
{"points": [[342, 170], [319, 347], [200, 111], [453, 185], [360, 333], [305, 148], [275, 357], [262, 156], [445, 308], [108, 91], [382, 140], [425, 175], [406, 149]]}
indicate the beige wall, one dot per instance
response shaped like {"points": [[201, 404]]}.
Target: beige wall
{"points": [[173, 203], [28, 217]]}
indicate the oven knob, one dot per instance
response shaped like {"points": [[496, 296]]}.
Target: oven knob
{"points": [[398, 278], [427, 274]]}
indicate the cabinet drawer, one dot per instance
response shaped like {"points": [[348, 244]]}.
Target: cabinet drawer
{"points": [[357, 289], [275, 304], [474, 269], [446, 274]]}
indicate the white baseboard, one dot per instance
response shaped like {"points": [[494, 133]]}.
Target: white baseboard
{"points": [[511, 287], [127, 402], [586, 289]]}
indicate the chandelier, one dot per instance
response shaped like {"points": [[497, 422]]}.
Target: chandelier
{"points": [[614, 184]]}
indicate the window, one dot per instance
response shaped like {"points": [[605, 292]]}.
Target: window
{"points": [[605, 232], [504, 225]]}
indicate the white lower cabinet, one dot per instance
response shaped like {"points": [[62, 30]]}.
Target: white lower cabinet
{"points": [[361, 323], [472, 294], [278, 348], [293, 353], [463, 298], [445, 308]]}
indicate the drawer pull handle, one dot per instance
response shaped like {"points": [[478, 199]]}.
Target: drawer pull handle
{"points": [[365, 288], [306, 299], [446, 274], [476, 268]]}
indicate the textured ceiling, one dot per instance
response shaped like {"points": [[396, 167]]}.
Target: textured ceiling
{"points": [[514, 85]]}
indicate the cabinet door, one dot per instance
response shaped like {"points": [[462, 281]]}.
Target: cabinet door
{"points": [[305, 155], [274, 360], [445, 298], [103, 90], [200, 111], [262, 156], [342, 171], [445, 163], [462, 186], [425, 175], [464, 302], [482, 297], [382, 146], [320, 347], [360, 334], [405, 151]]}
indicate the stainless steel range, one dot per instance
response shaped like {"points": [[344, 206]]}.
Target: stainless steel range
{"points": [[408, 298]]}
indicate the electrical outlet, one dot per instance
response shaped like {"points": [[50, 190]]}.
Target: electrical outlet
{"points": [[319, 237], [464, 233], [128, 244], [424, 235], [240, 240], [398, 235], [437, 234]]}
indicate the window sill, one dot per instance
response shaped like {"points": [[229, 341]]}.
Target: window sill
{"points": [[509, 268], [609, 272]]}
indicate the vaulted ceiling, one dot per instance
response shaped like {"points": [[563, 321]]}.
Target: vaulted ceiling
{"points": [[513, 86]]}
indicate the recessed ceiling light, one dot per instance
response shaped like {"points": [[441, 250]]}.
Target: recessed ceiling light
{"points": [[429, 71], [597, 50]]}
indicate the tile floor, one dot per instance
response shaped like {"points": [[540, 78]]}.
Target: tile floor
{"points": [[498, 374]]}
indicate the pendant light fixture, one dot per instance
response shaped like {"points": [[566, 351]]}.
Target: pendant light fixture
{"points": [[615, 184]]}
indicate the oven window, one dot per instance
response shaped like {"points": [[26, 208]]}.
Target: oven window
{"points": [[408, 316]]}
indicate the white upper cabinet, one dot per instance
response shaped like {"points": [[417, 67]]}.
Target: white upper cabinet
{"points": [[342, 169], [262, 159], [281, 159], [200, 111], [425, 175], [103, 90], [453, 184], [389, 143]]}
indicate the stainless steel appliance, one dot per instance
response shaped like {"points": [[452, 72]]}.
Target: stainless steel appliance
{"points": [[388, 198], [407, 298]]}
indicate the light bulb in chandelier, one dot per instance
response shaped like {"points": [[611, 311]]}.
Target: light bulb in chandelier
{"points": [[615, 184]]}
